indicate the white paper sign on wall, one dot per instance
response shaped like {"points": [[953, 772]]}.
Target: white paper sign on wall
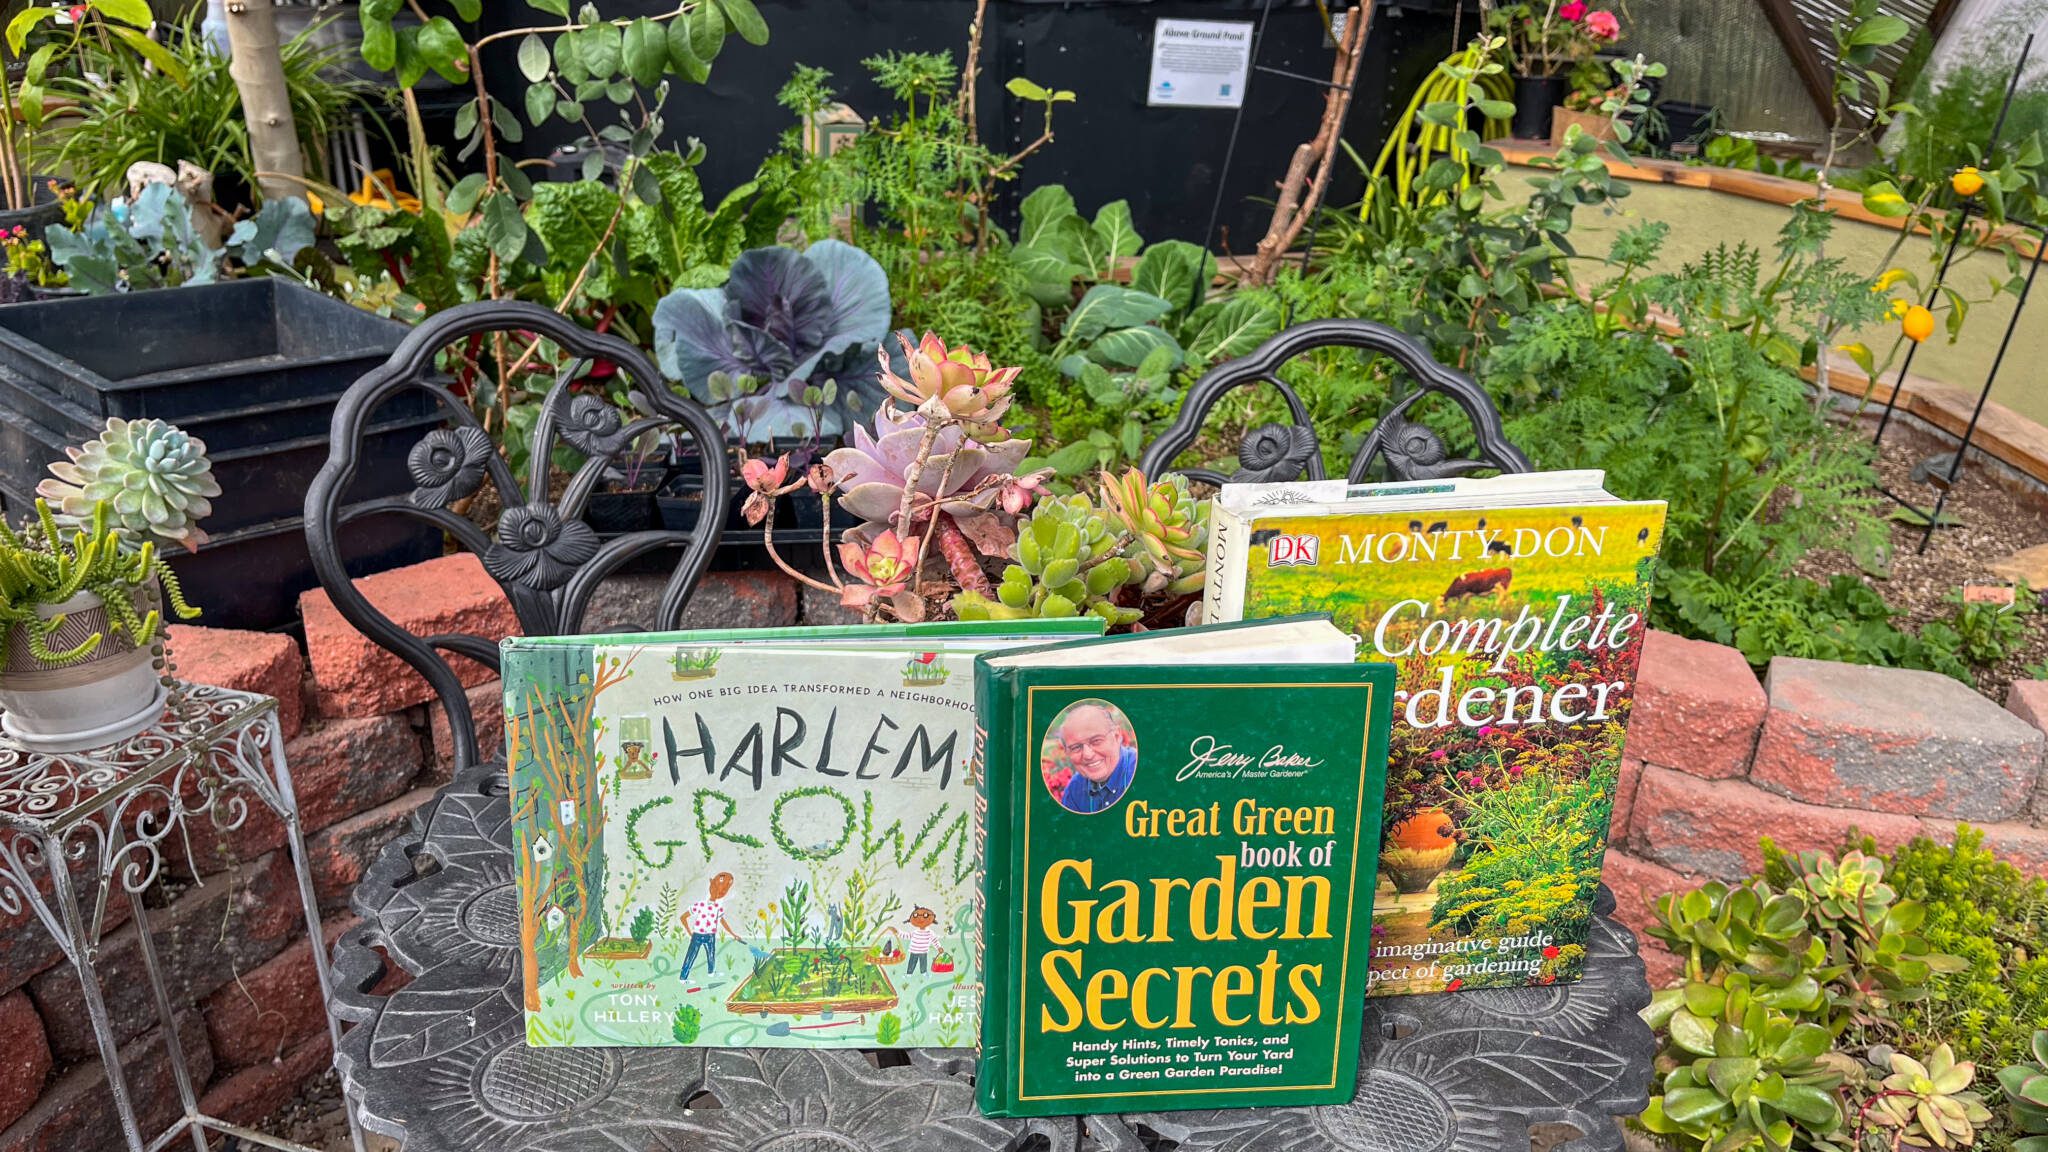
{"points": [[1199, 63]]}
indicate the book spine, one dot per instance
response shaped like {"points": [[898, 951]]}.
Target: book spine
{"points": [[994, 784], [1229, 545]]}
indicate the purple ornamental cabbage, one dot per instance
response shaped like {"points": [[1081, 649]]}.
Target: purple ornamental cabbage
{"points": [[791, 321]]}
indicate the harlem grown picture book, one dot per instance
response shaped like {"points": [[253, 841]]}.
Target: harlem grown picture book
{"points": [[749, 838], [1514, 609], [1178, 839]]}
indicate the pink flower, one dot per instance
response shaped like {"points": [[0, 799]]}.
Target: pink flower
{"points": [[1485, 731], [1603, 25], [1572, 10], [1438, 754], [1019, 491], [763, 477]]}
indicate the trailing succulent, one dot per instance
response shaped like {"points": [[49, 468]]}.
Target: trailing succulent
{"points": [[151, 478], [41, 566], [787, 348]]}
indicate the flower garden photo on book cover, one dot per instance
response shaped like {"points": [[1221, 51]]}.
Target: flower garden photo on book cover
{"points": [[1517, 633]]}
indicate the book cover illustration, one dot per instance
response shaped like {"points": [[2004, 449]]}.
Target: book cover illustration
{"points": [[1516, 632], [1186, 864], [748, 839]]}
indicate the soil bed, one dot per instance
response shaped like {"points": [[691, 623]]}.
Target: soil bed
{"points": [[1987, 519]]}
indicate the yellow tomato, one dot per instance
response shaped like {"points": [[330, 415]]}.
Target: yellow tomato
{"points": [[1967, 181], [1918, 324]]}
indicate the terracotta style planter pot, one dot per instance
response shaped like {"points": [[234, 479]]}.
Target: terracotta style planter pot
{"points": [[1418, 849], [1594, 124]]}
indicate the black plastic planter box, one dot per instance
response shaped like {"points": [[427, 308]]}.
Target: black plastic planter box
{"points": [[253, 351], [251, 367]]}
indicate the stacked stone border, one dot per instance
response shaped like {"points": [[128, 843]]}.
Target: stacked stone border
{"points": [[1714, 759]]}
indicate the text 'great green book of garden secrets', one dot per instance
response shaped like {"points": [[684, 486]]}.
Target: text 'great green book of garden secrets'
{"points": [[1178, 842], [749, 838], [1514, 609]]}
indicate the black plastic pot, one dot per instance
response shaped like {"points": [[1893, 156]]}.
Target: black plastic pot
{"points": [[1685, 123], [251, 367], [1535, 98], [44, 210]]}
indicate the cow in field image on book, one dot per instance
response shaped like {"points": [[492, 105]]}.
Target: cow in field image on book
{"points": [[749, 838], [1514, 611], [1178, 833]]}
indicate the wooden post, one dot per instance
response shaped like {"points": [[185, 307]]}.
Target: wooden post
{"points": [[1301, 195], [258, 69]]}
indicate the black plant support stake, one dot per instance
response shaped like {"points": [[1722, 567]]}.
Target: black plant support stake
{"points": [[1956, 465], [1947, 257]]}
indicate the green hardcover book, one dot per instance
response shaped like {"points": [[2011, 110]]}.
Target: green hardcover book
{"points": [[1514, 609], [749, 838], [1178, 830]]}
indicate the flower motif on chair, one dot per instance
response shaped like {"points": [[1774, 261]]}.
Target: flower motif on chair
{"points": [[1274, 452], [536, 547], [592, 426], [447, 464]]}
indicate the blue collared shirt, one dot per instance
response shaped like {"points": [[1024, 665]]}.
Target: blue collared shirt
{"points": [[1085, 795]]}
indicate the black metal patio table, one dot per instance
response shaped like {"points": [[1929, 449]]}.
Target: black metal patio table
{"points": [[442, 1062]]}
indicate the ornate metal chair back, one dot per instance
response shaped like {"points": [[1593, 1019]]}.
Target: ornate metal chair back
{"points": [[1400, 447], [548, 561]]}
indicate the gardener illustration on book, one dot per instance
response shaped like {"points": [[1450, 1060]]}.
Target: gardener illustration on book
{"points": [[703, 921], [923, 937], [1100, 751]]}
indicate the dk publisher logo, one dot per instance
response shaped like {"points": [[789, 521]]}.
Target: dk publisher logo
{"points": [[1283, 551]]}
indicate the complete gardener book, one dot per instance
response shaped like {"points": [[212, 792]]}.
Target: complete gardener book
{"points": [[1514, 609], [1178, 838], [749, 837]]}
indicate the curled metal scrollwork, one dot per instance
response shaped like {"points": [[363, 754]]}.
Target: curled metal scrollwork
{"points": [[1273, 452], [548, 560], [1406, 449]]}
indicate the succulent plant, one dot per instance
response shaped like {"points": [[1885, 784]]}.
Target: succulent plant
{"points": [[2026, 1096], [40, 566], [154, 478], [1169, 529], [1930, 1103], [884, 566], [1069, 561], [1743, 1072], [1851, 888], [955, 383], [871, 471]]}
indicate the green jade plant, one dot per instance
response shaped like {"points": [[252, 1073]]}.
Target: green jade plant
{"points": [[2026, 1096]]}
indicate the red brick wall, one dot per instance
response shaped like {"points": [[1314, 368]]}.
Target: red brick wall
{"points": [[1715, 759]]}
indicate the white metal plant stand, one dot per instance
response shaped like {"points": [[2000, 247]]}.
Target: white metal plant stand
{"points": [[80, 829]]}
